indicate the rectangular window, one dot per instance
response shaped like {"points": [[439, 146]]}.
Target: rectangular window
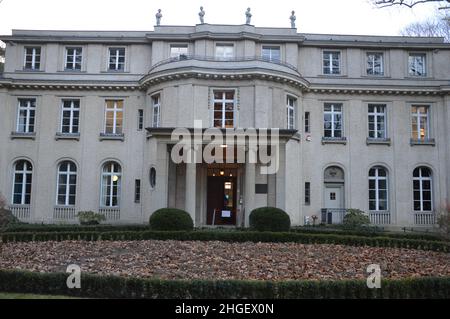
{"points": [[420, 122], [332, 120], [307, 123], [114, 117], [177, 50], [156, 106], [70, 116], [140, 119], [224, 51], [307, 193], [417, 64], [224, 105], [271, 53], [290, 112], [74, 58], [32, 58], [377, 121], [375, 63], [137, 191], [26, 116], [116, 59], [331, 62]]}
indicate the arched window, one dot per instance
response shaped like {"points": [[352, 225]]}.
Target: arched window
{"points": [[23, 174], [422, 189], [378, 189], [111, 184], [66, 188]]}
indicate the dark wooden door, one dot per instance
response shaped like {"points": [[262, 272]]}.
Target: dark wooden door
{"points": [[216, 201]]}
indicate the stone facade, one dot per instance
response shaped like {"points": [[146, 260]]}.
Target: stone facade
{"points": [[181, 68]]}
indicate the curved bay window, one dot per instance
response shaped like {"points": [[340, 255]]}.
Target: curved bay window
{"points": [[422, 189], [23, 174], [378, 189], [111, 184], [67, 184]]}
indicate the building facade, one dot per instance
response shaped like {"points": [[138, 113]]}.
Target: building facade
{"points": [[87, 121]]}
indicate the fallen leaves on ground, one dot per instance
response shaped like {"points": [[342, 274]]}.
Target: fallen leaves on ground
{"points": [[220, 260]]}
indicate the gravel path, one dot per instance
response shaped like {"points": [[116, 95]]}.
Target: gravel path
{"points": [[219, 260]]}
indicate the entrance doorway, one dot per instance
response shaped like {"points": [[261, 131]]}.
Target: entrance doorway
{"points": [[221, 196]]}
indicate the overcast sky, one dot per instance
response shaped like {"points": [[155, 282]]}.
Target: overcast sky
{"points": [[313, 16]]}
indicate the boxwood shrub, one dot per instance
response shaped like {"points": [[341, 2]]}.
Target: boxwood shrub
{"points": [[269, 219], [171, 219]]}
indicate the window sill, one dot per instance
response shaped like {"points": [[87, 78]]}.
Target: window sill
{"points": [[428, 142], [20, 135], [67, 136], [30, 71], [111, 137], [334, 140], [115, 71], [375, 76], [70, 71], [332, 75], [378, 141]]}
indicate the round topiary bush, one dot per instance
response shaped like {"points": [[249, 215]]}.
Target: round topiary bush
{"points": [[7, 218], [171, 219], [269, 219]]}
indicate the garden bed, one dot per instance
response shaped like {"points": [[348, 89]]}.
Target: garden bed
{"points": [[220, 260]]}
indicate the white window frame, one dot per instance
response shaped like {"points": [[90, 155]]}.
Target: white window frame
{"points": [[223, 101], [178, 46], [375, 114], [117, 55], [377, 178], [223, 56], [418, 117], [332, 113], [421, 179], [156, 109], [77, 51], [72, 109], [115, 110], [108, 177], [34, 59], [67, 174], [370, 63], [271, 48], [291, 111], [328, 55], [28, 109], [414, 64], [26, 171]]}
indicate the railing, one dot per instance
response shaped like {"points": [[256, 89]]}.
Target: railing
{"points": [[424, 218], [22, 212], [380, 218], [184, 57], [112, 213], [64, 213], [333, 215]]}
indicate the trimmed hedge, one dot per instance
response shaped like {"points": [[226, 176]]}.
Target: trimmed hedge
{"points": [[41, 228], [96, 286], [366, 233], [249, 236], [269, 219], [171, 219]]}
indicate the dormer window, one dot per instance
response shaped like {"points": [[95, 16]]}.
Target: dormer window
{"points": [[32, 58], [224, 51]]}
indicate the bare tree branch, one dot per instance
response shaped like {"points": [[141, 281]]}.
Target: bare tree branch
{"points": [[406, 3], [439, 26]]}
